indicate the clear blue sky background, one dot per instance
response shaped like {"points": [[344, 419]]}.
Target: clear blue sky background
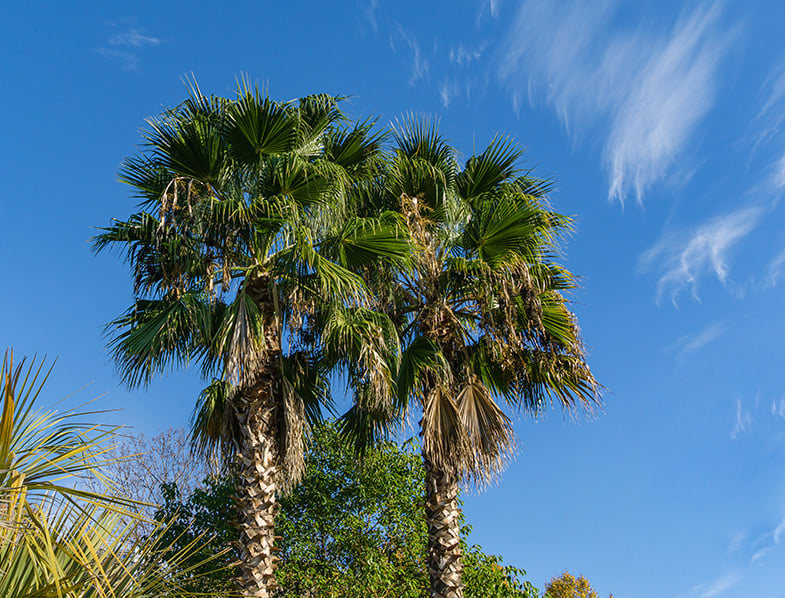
{"points": [[662, 123]]}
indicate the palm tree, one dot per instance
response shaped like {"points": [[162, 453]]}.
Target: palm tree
{"points": [[482, 317], [57, 539], [245, 259]]}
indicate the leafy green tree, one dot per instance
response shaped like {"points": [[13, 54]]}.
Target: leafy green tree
{"points": [[482, 316], [56, 538], [351, 528], [567, 585], [244, 259], [207, 512]]}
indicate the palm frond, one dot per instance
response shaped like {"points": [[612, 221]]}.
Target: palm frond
{"points": [[484, 173], [42, 450], [318, 113], [306, 390], [363, 242], [189, 143], [258, 126], [445, 440], [488, 429], [423, 365], [365, 428], [155, 335], [355, 148], [365, 344], [241, 337], [214, 427]]}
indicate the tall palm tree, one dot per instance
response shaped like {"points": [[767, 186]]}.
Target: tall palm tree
{"points": [[245, 260], [482, 316]]}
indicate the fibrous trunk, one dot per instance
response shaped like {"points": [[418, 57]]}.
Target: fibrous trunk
{"points": [[445, 566], [257, 504]]}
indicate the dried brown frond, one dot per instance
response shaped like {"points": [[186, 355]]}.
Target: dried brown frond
{"points": [[293, 429], [444, 439], [489, 432]]}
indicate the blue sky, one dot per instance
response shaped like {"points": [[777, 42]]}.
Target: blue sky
{"points": [[663, 124]]}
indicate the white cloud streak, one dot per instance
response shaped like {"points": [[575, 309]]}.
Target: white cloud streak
{"points": [[772, 113], [778, 409], [493, 8], [133, 38], [779, 532], [648, 92], [462, 56], [126, 45], [768, 422], [420, 66], [720, 586], [777, 179], [369, 12], [690, 343], [743, 421], [770, 123], [769, 541], [447, 91], [683, 258], [775, 268]]}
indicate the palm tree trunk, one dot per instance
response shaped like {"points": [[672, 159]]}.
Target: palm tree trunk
{"points": [[257, 503], [445, 565]]}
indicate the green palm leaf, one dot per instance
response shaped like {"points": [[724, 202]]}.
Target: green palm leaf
{"points": [[258, 126]]}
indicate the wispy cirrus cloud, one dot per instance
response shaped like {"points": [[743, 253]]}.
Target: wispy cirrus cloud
{"points": [[753, 546], [761, 543], [683, 258], [775, 269], [777, 176], [771, 117], [770, 125], [461, 55], [126, 45], [769, 541], [767, 418], [419, 64], [647, 92], [742, 422], [369, 12], [448, 89], [778, 408], [689, 343], [133, 38], [462, 81], [492, 6], [719, 586]]}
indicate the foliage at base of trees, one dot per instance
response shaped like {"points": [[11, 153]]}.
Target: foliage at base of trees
{"points": [[352, 529]]}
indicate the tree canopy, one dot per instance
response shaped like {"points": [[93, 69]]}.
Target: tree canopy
{"points": [[567, 585]]}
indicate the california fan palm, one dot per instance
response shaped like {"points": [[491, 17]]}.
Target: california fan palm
{"points": [[482, 316], [244, 258]]}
